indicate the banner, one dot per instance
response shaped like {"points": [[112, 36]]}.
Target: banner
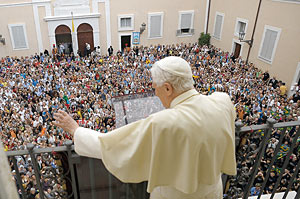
{"points": [[135, 38]]}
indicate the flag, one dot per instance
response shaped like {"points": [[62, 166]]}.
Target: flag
{"points": [[73, 25], [284, 148], [277, 170], [280, 155], [73, 28]]}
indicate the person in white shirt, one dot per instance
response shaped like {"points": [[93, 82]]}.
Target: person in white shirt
{"points": [[181, 151], [61, 49]]}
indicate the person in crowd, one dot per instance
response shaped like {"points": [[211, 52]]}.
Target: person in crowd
{"points": [[61, 49], [110, 51], [255, 190], [184, 130], [98, 51], [88, 49], [32, 193], [84, 87]]}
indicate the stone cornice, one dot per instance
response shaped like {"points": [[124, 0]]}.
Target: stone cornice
{"points": [[69, 17]]}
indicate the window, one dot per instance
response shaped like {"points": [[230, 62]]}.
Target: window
{"points": [[269, 43], [289, 1], [155, 21], [186, 23], [126, 22], [240, 26], [18, 36], [218, 25]]}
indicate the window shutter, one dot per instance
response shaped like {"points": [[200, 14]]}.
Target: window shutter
{"points": [[155, 26], [186, 21], [268, 44], [218, 25], [292, 1], [18, 37]]}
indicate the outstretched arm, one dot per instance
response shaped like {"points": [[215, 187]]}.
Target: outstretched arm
{"points": [[65, 121], [86, 141]]}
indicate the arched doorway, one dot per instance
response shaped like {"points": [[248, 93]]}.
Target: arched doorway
{"points": [[63, 37], [85, 35]]}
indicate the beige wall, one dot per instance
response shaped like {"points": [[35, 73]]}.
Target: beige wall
{"points": [[24, 16], [282, 15], [14, 1], [287, 54], [273, 13], [102, 25], [246, 10], [52, 6], [140, 9], [44, 28]]}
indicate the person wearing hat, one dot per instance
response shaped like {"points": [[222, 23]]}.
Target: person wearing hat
{"points": [[181, 151], [254, 191]]}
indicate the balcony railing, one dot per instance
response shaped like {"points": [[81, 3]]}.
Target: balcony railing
{"points": [[262, 150], [72, 176], [80, 177], [56, 176]]}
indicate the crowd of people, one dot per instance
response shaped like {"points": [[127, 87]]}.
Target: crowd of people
{"points": [[33, 88]]}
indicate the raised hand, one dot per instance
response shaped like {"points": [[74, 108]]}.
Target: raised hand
{"points": [[65, 121]]}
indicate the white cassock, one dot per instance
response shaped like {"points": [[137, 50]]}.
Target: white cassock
{"points": [[181, 151], [7, 185]]}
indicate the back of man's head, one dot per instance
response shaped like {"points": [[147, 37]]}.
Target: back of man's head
{"points": [[175, 71]]}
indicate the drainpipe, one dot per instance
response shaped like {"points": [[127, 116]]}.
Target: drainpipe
{"points": [[254, 28], [207, 15]]}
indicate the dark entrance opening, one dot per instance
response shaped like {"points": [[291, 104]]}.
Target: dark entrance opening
{"points": [[63, 37], [237, 50], [85, 35], [125, 40]]}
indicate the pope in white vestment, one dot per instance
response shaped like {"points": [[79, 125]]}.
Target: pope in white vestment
{"points": [[181, 151]]}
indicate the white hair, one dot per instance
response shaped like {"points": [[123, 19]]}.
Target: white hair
{"points": [[180, 84]]}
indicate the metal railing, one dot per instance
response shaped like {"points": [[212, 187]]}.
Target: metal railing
{"points": [[253, 143], [78, 177], [265, 149], [62, 175]]}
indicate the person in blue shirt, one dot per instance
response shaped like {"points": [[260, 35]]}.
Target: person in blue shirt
{"points": [[254, 191]]}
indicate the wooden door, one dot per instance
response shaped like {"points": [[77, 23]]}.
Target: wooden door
{"points": [[237, 50], [85, 35], [63, 36]]}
